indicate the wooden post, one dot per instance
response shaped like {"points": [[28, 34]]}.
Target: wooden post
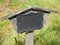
{"points": [[29, 38]]}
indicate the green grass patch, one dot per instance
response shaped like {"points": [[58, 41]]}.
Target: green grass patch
{"points": [[1, 2], [48, 35]]}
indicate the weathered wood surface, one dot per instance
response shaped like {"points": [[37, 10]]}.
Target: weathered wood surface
{"points": [[29, 38]]}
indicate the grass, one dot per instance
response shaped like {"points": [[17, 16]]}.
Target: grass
{"points": [[48, 35], [0, 1]]}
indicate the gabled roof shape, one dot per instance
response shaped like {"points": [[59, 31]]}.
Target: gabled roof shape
{"points": [[27, 9]]}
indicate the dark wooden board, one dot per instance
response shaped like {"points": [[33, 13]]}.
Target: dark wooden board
{"points": [[29, 21]]}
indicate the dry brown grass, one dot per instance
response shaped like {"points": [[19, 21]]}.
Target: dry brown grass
{"points": [[57, 9]]}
